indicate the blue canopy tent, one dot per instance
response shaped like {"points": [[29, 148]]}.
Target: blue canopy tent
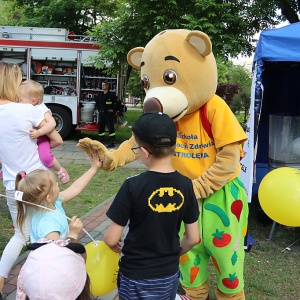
{"points": [[275, 87], [281, 44]]}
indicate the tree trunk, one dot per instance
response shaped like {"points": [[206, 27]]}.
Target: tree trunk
{"points": [[288, 11]]}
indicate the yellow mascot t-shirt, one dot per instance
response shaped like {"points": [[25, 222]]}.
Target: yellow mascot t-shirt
{"points": [[195, 151]]}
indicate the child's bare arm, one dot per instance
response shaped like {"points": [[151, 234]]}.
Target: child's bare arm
{"points": [[45, 128], [191, 237], [75, 228], [113, 235], [54, 235], [79, 184]]}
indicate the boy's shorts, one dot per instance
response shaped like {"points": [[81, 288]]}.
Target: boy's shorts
{"points": [[162, 288]]}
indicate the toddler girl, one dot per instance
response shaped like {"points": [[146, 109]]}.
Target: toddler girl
{"points": [[31, 92]]}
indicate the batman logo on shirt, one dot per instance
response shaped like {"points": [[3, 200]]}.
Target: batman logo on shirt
{"points": [[166, 199]]}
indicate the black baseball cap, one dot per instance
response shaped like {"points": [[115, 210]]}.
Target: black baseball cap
{"points": [[151, 127]]}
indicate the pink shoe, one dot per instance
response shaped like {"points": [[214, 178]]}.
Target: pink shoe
{"points": [[1, 175], [63, 176]]}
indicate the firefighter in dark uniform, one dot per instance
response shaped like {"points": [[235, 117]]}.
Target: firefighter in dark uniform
{"points": [[106, 104]]}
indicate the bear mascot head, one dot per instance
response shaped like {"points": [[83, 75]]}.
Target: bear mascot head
{"points": [[178, 71]]}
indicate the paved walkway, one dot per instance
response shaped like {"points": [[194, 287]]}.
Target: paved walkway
{"points": [[95, 222]]}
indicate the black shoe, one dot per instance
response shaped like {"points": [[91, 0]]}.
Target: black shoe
{"points": [[110, 145]]}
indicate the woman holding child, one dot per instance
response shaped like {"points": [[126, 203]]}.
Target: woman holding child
{"points": [[18, 151]]}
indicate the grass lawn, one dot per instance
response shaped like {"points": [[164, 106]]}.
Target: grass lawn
{"points": [[270, 273]]}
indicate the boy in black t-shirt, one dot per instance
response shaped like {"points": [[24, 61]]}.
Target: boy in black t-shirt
{"points": [[153, 204]]}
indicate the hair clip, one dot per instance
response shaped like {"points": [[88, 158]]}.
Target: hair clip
{"points": [[77, 248], [23, 175], [61, 243]]}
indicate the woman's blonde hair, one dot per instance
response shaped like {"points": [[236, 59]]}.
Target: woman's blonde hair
{"points": [[32, 89], [11, 78], [35, 186]]}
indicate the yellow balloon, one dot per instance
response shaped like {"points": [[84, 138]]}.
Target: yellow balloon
{"points": [[279, 196], [102, 265]]}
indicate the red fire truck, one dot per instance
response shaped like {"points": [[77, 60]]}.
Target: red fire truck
{"points": [[62, 63]]}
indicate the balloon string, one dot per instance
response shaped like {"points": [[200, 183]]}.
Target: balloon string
{"points": [[47, 208], [287, 248]]}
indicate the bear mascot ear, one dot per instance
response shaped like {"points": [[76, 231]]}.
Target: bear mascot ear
{"points": [[200, 41], [134, 57]]}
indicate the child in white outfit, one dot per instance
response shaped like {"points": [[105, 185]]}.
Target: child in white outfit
{"points": [[31, 92]]}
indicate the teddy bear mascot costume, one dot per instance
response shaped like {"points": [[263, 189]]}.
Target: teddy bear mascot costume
{"points": [[179, 75]]}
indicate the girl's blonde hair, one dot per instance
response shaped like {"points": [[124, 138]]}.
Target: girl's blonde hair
{"points": [[11, 78], [35, 186], [32, 89]]}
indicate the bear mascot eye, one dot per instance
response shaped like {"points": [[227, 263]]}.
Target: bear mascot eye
{"points": [[170, 77], [145, 83]]}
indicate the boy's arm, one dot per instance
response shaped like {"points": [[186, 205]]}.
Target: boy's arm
{"points": [[191, 237], [44, 129], [79, 184], [113, 236]]}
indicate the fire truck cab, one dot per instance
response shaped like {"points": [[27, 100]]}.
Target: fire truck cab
{"points": [[62, 63]]}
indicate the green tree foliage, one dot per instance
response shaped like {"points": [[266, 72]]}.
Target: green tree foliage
{"points": [[122, 25], [75, 15], [137, 22], [134, 86], [235, 87], [231, 25], [9, 15], [222, 20]]}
